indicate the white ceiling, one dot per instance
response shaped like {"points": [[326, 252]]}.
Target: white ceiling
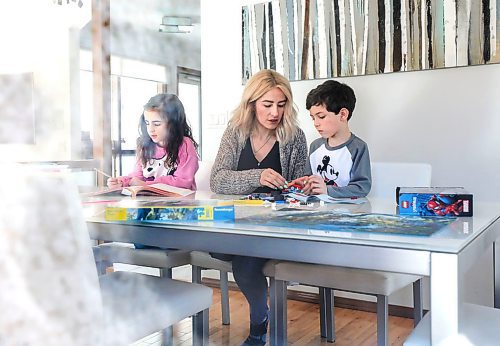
{"points": [[134, 31], [148, 13]]}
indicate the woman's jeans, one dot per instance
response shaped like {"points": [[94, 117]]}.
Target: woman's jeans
{"points": [[247, 272]]}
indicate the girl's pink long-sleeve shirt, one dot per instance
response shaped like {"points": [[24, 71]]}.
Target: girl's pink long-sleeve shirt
{"points": [[183, 176]]}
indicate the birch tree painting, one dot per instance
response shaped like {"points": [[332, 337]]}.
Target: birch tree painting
{"points": [[312, 39]]}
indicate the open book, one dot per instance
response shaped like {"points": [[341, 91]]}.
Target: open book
{"points": [[157, 189]]}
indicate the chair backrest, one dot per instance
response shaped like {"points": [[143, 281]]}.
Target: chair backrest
{"points": [[203, 175], [386, 176], [47, 262]]}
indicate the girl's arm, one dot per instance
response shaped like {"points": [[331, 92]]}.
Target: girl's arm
{"points": [[187, 165], [136, 173], [126, 180]]}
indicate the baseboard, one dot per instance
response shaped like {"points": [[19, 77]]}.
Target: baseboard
{"points": [[341, 302]]}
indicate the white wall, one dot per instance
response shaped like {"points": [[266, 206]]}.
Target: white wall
{"points": [[449, 118]]}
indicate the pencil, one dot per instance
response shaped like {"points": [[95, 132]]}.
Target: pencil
{"points": [[103, 173]]}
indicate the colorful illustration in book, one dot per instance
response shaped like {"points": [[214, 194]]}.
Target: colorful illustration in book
{"points": [[164, 214], [333, 221]]}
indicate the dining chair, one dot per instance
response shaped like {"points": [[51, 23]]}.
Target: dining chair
{"points": [[59, 297], [143, 304], [386, 176]]}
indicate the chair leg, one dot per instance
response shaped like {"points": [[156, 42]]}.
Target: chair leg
{"points": [[327, 314], [196, 274], [166, 273], [167, 336], [101, 267], [382, 316], [278, 313], [200, 328], [418, 302], [224, 299], [322, 312], [330, 315]]}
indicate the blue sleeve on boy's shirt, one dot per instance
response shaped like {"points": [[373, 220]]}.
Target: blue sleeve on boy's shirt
{"points": [[361, 177]]}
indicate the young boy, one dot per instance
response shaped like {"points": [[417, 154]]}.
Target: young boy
{"points": [[339, 162]]}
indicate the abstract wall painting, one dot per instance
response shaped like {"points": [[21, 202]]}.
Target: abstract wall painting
{"points": [[312, 39]]}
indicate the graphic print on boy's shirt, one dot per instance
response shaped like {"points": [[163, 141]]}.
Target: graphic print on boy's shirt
{"points": [[334, 166]]}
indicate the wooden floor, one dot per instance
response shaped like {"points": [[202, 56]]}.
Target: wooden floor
{"points": [[352, 327]]}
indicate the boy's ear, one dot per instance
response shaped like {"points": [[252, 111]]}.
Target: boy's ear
{"points": [[344, 114]]}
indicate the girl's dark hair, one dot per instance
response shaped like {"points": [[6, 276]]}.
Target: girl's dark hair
{"points": [[171, 111]]}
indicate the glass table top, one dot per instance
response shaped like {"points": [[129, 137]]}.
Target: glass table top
{"points": [[452, 237]]}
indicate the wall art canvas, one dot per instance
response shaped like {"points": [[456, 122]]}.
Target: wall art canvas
{"points": [[312, 39]]}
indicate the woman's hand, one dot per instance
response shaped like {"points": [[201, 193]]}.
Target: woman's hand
{"points": [[314, 185], [272, 179], [114, 182]]}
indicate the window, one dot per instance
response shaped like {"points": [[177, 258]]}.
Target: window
{"points": [[189, 92], [133, 83]]}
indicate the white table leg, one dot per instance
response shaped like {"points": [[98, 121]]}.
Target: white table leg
{"points": [[496, 273], [446, 296]]}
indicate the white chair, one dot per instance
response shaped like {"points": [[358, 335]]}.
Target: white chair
{"points": [[60, 298], [385, 178], [203, 175]]}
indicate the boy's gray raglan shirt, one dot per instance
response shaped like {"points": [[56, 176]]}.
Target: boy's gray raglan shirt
{"points": [[345, 168]]}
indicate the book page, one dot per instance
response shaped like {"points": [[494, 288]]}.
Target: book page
{"points": [[156, 189], [174, 189]]}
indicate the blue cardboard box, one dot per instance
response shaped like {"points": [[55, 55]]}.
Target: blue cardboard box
{"points": [[434, 201], [175, 211]]}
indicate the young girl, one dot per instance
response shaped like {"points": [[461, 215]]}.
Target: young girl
{"points": [[166, 150]]}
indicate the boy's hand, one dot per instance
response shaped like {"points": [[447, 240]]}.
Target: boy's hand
{"points": [[299, 181], [315, 185], [269, 177]]}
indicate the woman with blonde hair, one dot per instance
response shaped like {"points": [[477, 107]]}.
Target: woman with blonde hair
{"points": [[261, 150]]}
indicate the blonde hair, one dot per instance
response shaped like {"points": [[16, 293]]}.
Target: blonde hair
{"points": [[244, 119]]}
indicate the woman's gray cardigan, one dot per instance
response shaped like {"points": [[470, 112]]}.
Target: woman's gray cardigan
{"points": [[225, 179]]}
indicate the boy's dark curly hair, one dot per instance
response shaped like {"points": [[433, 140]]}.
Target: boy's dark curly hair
{"points": [[334, 96]]}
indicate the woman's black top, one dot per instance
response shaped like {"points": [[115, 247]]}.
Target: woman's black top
{"points": [[248, 161]]}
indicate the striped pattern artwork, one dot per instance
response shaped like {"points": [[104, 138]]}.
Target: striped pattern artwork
{"points": [[311, 39]]}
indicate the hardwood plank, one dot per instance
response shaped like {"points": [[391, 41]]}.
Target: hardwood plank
{"points": [[353, 327]]}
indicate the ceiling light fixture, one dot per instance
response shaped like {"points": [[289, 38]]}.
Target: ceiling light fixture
{"points": [[182, 25], [61, 2]]}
